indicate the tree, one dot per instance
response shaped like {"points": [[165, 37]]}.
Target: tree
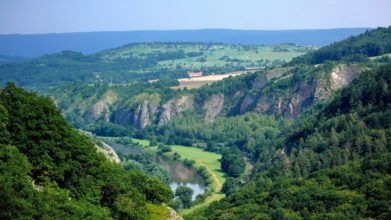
{"points": [[185, 194]]}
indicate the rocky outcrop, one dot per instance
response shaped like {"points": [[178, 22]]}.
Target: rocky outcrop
{"points": [[340, 76], [123, 116], [292, 102], [250, 100], [302, 99], [109, 153], [213, 107], [175, 107], [281, 92], [101, 108], [144, 114]]}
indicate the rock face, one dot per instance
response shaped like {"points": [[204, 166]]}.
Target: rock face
{"points": [[101, 108], [342, 75], [137, 117], [175, 107], [144, 114], [302, 99], [276, 92], [213, 106], [109, 153], [291, 103]]}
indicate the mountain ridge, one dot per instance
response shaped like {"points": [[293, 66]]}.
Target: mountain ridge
{"points": [[33, 45]]}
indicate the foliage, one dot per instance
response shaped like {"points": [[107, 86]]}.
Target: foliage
{"points": [[249, 132], [47, 169], [232, 163], [141, 62], [333, 163], [184, 194], [358, 48]]}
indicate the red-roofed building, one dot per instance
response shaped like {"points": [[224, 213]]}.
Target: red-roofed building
{"points": [[195, 74]]}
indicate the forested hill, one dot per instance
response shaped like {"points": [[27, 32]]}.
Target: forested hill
{"points": [[92, 42], [357, 48], [50, 171], [144, 61], [278, 91], [333, 163]]}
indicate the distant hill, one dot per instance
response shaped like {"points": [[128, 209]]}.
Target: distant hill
{"points": [[10, 59], [356, 48], [91, 42], [139, 61]]}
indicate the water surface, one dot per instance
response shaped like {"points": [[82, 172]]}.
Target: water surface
{"points": [[182, 175]]}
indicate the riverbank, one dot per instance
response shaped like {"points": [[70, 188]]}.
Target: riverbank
{"points": [[211, 162]]}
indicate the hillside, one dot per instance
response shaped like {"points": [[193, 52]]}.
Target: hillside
{"points": [[142, 62], [11, 59], [277, 91], [356, 48], [334, 163], [49, 170], [35, 45], [280, 92], [316, 135]]}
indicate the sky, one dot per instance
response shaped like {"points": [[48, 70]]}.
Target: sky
{"points": [[59, 16]]}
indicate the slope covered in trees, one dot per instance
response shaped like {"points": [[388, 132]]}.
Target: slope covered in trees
{"points": [[358, 48], [144, 61], [49, 170], [333, 163]]}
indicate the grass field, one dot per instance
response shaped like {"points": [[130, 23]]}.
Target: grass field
{"points": [[209, 160], [209, 55], [144, 143]]}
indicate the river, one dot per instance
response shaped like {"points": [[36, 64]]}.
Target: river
{"points": [[182, 175]]}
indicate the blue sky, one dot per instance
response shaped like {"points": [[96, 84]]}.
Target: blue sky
{"points": [[48, 16]]}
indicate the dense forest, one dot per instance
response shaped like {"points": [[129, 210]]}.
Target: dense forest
{"points": [[49, 170], [315, 132], [333, 163], [354, 49]]}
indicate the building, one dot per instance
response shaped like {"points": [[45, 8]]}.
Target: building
{"points": [[195, 74]]}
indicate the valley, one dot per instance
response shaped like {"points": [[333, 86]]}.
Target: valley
{"points": [[210, 130], [178, 168]]}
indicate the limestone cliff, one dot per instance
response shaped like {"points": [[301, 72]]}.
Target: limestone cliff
{"points": [[101, 107], [212, 107], [144, 114], [175, 107], [303, 93], [285, 92]]}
